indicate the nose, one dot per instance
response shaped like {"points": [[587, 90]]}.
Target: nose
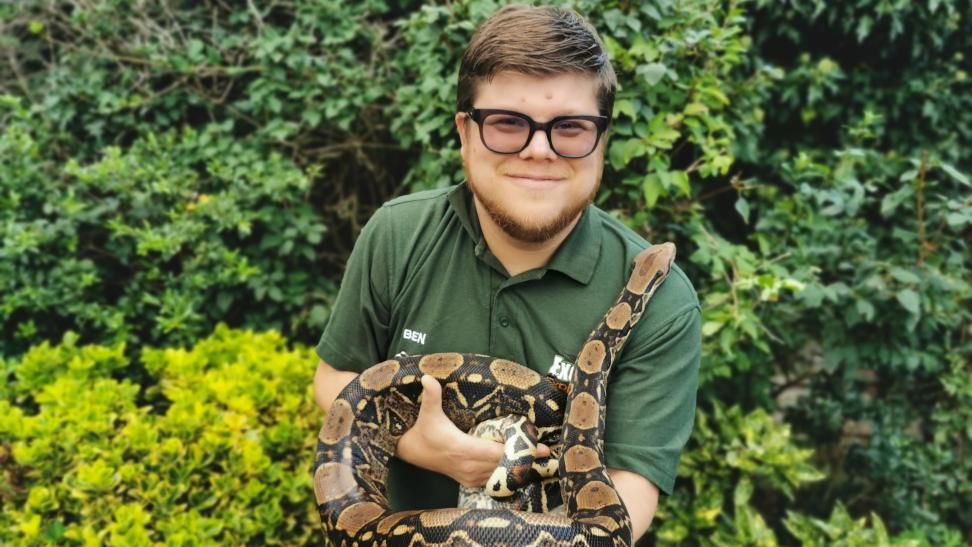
{"points": [[538, 148]]}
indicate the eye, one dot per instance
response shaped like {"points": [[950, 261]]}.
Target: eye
{"points": [[506, 121], [574, 126]]}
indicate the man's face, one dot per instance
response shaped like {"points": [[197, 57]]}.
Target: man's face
{"points": [[535, 194]]}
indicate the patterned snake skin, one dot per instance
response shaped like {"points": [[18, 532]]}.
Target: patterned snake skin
{"points": [[521, 481], [370, 415]]}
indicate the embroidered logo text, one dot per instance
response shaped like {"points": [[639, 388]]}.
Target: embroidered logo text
{"points": [[562, 369], [414, 336]]}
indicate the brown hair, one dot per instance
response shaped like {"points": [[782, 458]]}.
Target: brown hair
{"points": [[536, 41]]}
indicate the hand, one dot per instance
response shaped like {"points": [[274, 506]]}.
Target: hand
{"points": [[436, 444]]}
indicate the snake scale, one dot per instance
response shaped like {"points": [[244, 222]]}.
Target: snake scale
{"points": [[368, 417]]}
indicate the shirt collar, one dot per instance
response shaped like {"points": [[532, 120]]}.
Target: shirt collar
{"points": [[461, 201], [576, 257]]}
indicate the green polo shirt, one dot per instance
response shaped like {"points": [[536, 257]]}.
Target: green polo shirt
{"points": [[421, 279]]}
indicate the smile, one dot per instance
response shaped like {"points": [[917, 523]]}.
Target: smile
{"points": [[535, 182]]}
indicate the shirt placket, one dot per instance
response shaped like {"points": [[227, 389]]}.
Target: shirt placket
{"points": [[501, 323]]}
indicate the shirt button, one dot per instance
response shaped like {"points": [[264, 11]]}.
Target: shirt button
{"points": [[504, 321]]}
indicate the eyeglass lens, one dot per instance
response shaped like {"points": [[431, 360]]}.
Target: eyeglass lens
{"points": [[505, 134]]}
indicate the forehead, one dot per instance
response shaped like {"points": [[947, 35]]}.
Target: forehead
{"points": [[544, 96]]}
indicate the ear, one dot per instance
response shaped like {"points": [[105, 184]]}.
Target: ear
{"points": [[461, 119]]}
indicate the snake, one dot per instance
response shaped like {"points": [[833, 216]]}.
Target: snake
{"points": [[362, 428]]}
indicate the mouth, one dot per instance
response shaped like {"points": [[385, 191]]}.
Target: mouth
{"points": [[534, 177], [535, 182]]}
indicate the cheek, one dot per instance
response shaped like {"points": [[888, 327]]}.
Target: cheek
{"points": [[487, 162], [481, 165], [587, 173]]}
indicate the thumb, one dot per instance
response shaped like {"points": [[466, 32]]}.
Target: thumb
{"points": [[431, 395]]}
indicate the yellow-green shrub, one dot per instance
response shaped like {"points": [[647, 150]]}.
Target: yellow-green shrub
{"points": [[214, 445], [843, 531], [216, 448], [731, 455]]}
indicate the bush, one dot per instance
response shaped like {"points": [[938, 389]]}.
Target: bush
{"points": [[120, 119], [154, 243], [842, 530], [860, 185], [165, 168], [214, 449], [730, 456]]}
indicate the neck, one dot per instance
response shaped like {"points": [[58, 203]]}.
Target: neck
{"points": [[515, 255]]}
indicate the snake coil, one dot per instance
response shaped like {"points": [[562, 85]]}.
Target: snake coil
{"points": [[368, 417]]}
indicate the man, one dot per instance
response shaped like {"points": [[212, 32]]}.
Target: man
{"points": [[517, 263]]}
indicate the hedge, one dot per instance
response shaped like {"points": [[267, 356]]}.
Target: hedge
{"points": [[168, 167]]}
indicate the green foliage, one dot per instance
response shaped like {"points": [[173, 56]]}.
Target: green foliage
{"points": [[155, 242], [167, 167], [426, 68], [843, 530], [119, 118], [213, 449], [737, 473], [732, 454], [905, 61], [861, 182]]}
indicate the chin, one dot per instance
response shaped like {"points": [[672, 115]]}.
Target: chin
{"points": [[529, 226], [535, 217]]}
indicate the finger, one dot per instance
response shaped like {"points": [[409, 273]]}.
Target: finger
{"points": [[483, 450], [542, 450], [431, 395]]}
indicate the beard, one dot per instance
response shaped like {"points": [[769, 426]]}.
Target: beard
{"points": [[535, 231]]}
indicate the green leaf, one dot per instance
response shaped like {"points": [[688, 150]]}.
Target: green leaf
{"points": [[742, 207], [957, 220], [905, 276], [625, 106], [680, 180], [892, 201], [652, 72], [742, 493], [910, 301], [622, 152], [694, 109], [652, 189], [956, 174], [866, 309], [716, 94], [645, 50], [711, 327], [312, 117], [195, 49]]}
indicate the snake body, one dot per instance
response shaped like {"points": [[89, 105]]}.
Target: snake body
{"points": [[370, 415]]}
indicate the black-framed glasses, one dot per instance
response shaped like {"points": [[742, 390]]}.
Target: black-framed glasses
{"points": [[509, 132]]}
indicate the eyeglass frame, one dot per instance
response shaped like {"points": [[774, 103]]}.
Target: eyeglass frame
{"points": [[479, 114]]}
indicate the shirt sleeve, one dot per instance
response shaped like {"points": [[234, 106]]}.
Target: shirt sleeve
{"points": [[357, 331], [651, 398]]}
